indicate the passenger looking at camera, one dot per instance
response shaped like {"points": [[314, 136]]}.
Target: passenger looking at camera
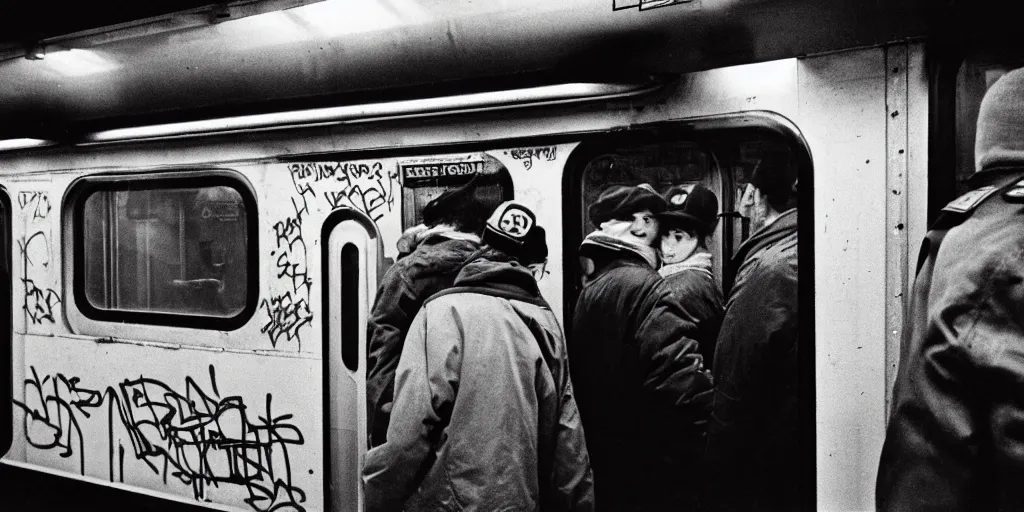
{"points": [[639, 376], [687, 265]]}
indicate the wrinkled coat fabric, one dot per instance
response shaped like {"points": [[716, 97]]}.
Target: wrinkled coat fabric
{"points": [[641, 388], [693, 285], [955, 440], [484, 415], [430, 268], [753, 448]]}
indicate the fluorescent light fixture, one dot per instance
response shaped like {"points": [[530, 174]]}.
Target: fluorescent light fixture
{"points": [[333, 18], [77, 62], [35, 51], [445, 105], [12, 144]]}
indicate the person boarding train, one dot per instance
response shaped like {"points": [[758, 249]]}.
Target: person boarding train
{"points": [[687, 266], [484, 416], [753, 446], [430, 256], [641, 386]]}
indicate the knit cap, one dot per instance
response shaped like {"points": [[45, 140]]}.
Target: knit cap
{"points": [[1000, 134]]}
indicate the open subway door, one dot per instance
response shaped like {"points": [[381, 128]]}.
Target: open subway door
{"points": [[351, 262], [6, 300]]}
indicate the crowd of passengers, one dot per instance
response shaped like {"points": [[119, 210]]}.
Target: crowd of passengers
{"points": [[668, 396]]}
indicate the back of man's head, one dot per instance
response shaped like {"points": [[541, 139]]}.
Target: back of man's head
{"points": [[776, 177], [999, 139], [465, 207]]}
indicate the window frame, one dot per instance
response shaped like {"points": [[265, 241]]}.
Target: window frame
{"points": [[74, 206]]}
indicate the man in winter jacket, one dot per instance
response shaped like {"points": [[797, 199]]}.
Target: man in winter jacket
{"points": [[955, 440], [484, 416], [686, 261], [753, 446], [641, 387], [454, 221]]}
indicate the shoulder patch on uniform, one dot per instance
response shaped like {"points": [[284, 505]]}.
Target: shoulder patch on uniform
{"points": [[1015, 194], [969, 201]]}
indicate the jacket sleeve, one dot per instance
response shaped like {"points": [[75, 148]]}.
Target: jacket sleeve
{"points": [[956, 437], [572, 479], [425, 384], [393, 310], [669, 356]]}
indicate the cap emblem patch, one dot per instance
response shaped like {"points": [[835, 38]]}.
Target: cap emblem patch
{"points": [[515, 222]]}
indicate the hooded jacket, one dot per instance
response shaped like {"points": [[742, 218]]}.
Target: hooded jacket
{"points": [[641, 387], [484, 415], [753, 445], [693, 285], [428, 269], [954, 441]]}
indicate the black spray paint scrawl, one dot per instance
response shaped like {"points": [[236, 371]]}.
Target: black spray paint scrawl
{"points": [[195, 437]]}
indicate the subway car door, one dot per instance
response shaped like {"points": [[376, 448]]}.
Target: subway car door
{"points": [[351, 259], [6, 337]]}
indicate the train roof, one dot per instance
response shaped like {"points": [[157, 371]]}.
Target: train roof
{"points": [[247, 57]]}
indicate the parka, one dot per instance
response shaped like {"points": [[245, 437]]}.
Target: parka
{"points": [[955, 440], [484, 416], [753, 443], [641, 387], [693, 285], [428, 269]]}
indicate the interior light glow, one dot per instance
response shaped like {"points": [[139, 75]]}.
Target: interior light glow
{"points": [[77, 62], [332, 18], [476, 102], [12, 144]]}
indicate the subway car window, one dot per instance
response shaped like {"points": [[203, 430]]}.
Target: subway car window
{"points": [[424, 180], [976, 75], [181, 251]]}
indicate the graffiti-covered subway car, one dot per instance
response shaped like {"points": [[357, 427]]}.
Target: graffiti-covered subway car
{"points": [[189, 313]]}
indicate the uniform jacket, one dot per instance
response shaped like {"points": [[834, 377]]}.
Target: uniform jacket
{"points": [[753, 451], [641, 387], [955, 440], [430, 268], [693, 285], [484, 416]]}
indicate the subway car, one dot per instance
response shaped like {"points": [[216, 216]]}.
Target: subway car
{"points": [[193, 220]]}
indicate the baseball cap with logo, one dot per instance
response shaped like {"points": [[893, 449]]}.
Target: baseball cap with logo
{"points": [[696, 208], [513, 229]]}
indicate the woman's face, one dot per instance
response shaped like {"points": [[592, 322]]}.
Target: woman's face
{"points": [[677, 245]]}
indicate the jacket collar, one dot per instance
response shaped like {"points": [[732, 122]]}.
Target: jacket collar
{"points": [[487, 274], [699, 260], [598, 242], [784, 225]]}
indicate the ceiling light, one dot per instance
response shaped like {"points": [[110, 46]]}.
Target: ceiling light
{"points": [[12, 144], [463, 103]]}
